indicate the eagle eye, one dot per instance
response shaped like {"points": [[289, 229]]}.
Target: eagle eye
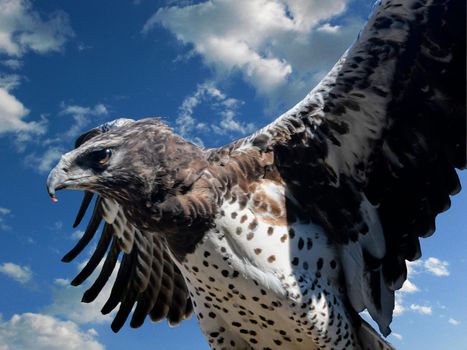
{"points": [[102, 156]]}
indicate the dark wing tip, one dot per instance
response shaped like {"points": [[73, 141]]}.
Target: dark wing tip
{"points": [[83, 207], [99, 252], [91, 229], [124, 311]]}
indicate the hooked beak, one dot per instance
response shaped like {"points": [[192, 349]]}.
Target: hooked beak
{"points": [[62, 177], [56, 180]]}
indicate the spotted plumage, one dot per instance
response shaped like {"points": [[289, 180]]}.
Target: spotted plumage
{"points": [[256, 295], [280, 239]]}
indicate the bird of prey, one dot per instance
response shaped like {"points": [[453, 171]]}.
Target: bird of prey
{"points": [[278, 240]]}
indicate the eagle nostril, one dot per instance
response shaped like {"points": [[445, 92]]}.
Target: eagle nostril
{"points": [[65, 170]]}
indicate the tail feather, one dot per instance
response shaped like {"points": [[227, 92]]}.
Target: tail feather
{"points": [[371, 339]]}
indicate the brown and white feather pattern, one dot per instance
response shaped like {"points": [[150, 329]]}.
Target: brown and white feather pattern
{"points": [[278, 240], [257, 279], [147, 275], [371, 152]]}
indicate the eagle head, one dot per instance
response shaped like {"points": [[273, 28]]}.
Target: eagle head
{"points": [[139, 164]]}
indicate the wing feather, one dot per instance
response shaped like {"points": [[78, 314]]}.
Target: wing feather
{"points": [[148, 298], [147, 275], [91, 229], [124, 311], [110, 210], [143, 261], [162, 305], [96, 258], [83, 207], [179, 299], [379, 140], [104, 275], [125, 273]]}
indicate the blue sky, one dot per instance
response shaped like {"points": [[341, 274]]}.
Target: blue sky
{"points": [[215, 71]]}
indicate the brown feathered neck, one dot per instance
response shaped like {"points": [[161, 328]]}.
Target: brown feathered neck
{"points": [[187, 209]]}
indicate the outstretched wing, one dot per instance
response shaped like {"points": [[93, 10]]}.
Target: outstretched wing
{"points": [[370, 153], [146, 275]]}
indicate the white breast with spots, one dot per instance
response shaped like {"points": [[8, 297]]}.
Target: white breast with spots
{"points": [[260, 282]]}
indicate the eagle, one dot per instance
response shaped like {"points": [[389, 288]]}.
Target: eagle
{"points": [[280, 239]]}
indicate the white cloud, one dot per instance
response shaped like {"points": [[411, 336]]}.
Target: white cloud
{"points": [[43, 332], [432, 266], [43, 162], [13, 112], [4, 211], [424, 310], [328, 28], [408, 287], [9, 81], [22, 29], [277, 46], [436, 267], [21, 274], [220, 104], [67, 300], [397, 335], [399, 306], [62, 282], [454, 322], [81, 115], [12, 63]]}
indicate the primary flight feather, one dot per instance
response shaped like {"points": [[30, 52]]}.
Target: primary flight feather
{"points": [[280, 239]]}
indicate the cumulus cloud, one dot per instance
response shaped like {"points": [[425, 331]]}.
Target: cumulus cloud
{"points": [[409, 287], [9, 81], [399, 304], [12, 111], [43, 332], [21, 274], [436, 267], [43, 162], [47, 330], [329, 28], [22, 29], [424, 310], [81, 115], [453, 321], [432, 266], [225, 107], [277, 46]]}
